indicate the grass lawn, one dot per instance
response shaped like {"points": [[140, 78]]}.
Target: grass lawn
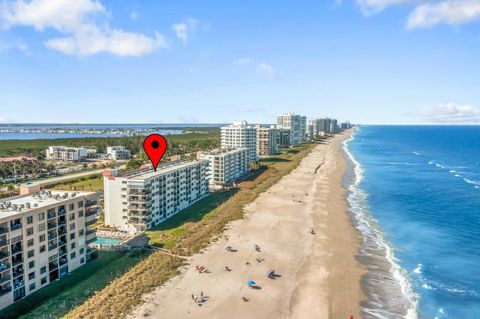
{"points": [[92, 183], [185, 234], [57, 298]]}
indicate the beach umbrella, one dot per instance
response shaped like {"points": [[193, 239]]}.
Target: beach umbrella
{"points": [[250, 282]]}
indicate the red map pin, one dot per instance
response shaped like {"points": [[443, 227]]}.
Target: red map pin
{"points": [[155, 146]]}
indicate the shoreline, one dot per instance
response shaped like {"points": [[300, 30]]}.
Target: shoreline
{"points": [[385, 282], [320, 276]]}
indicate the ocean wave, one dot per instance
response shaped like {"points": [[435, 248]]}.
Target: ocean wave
{"points": [[417, 153], [401, 163], [418, 270], [397, 299], [469, 181]]}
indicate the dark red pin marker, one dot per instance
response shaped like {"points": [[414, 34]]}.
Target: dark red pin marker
{"points": [[155, 146]]}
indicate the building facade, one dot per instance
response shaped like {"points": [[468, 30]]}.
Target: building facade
{"points": [[267, 140], [240, 135], [43, 236], [297, 125], [64, 153], [225, 166], [139, 200], [283, 138], [118, 153]]}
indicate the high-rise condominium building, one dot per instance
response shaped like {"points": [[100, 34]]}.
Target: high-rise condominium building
{"points": [[283, 137], [43, 236], [267, 140], [225, 165], [139, 200], [297, 125], [240, 135]]}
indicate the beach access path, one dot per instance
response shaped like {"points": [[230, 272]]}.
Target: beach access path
{"points": [[319, 276]]}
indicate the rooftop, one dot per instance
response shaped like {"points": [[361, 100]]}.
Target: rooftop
{"points": [[222, 151], [161, 169], [24, 203]]}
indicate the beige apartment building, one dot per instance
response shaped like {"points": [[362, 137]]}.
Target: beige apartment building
{"points": [[225, 165], [139, 200], [43, 236], [267, 140]]}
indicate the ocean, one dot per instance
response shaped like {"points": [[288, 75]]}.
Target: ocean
{"points": [[414, 193]]}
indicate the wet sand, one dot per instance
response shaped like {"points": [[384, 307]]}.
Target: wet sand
{"points": [[319, 276]]}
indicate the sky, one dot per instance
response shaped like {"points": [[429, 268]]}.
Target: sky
{"points": [[216, 61]]}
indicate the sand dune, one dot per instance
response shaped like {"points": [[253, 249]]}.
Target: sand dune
{"points": [[320, 277]]}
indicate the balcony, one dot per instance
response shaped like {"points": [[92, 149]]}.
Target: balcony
{"points": [[62, 231], [51, 225], [91, 240], [63, 261], [90, 222], [51, 214], [61, 222], [15, 226], [4, 279], [18, 273], [52, 246], [91, 212], [18, 283], [62, 252], [5, 290], [4, 266], [61, 212], [3, 230], [52, 265]]}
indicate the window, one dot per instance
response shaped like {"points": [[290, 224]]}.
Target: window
{"points": [[72, 236], [32, 286], [41, 216], [71, 217], [30, 253], [41, 238], [43, 269], [81, 232], [43, 280], [82, 260], [72, 226], [71, 207], [72, 245], [30, 220], [30, 242], [80, 213], [31, 275], [31, 264], [80, 204], [41, 227], [30, 231], [42, 249], [73, 255], [82, 250]]}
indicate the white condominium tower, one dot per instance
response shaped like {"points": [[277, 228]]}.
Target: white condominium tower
{"points": [[43, 236], [240, 135], [297, 125], [267, 140], [225, 166], [139, 200]]}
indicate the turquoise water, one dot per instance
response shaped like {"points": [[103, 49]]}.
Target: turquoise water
{"points": [[415, 197], [107, 241]]}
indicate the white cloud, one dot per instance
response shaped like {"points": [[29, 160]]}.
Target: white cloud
{"points": [[449, 12], [78, 21], [370, 7], [427, 13], [242, 61], [182, 29], [267, 70], [452, 113]]}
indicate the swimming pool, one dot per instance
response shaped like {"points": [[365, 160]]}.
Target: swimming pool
{"points": [[107, 241]]}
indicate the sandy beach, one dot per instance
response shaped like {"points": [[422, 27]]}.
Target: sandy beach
{"points": [[319, 276]]}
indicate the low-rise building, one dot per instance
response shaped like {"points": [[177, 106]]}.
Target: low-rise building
{"points": [[66, 153], [225, 165], [138, 200], [43, 237], [118, 153], [267, 140], [240, 135]]}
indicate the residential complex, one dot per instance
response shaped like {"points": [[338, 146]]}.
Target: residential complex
{"points": [[297, 125], [267, 140], [64, 153], [283, 138], [139, 200], [118, 153], [240, 135], [225, 165], [43, 236]]}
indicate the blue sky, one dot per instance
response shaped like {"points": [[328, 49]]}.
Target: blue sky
{"points": [[367, 61]]}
